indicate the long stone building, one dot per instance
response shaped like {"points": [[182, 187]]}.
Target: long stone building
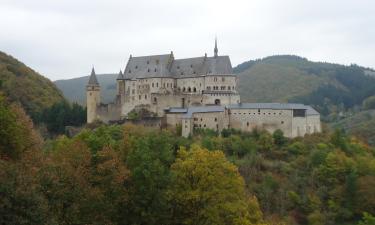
{"points": [[198, 92]]}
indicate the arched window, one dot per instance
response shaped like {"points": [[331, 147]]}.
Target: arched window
{"points": [[183, 89], [228, 87], [189, 89], [155, 100], [195, 90]]}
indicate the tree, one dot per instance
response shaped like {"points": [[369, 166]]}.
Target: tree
{"points": [[149, 158], [278, 138], [367, 219], [207, 189], [16, 131]]}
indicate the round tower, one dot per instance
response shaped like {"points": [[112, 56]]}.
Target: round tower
{"points": [[92, 97]]}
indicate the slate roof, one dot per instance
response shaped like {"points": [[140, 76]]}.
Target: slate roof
{"points": [[309, 109], [120, 76], [188, 112], [166, 66], [202, 109], [93, 80]]}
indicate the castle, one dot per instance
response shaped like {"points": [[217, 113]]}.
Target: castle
{"points": [[198, 92]]}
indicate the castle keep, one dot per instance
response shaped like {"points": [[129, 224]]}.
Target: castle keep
{"points": [[193, 93]]}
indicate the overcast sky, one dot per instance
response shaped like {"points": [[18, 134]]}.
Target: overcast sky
{"points": [[63, 39]]}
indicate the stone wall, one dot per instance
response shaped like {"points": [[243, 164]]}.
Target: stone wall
{"points": [[92, 101], [267, 119]]}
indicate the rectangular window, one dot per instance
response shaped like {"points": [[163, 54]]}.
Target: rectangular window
{"points": [[299, 112]]}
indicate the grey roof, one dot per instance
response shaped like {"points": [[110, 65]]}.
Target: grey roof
{"points": [[202, 109], [188, 112], [177, 110], [93, 80], [309, 109], [167, 66], [120, 76], [148, 66]]}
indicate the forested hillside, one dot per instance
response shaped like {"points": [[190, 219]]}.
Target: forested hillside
{"points": [[38, 97], [330, 88], [135, 175], [22, 84]]}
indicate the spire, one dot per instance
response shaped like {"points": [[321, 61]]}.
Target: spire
{"points": [[120, 76], [215, 49], [93, 80]]}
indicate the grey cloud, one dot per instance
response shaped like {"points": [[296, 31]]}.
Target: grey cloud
{"points": [[63, 39]]}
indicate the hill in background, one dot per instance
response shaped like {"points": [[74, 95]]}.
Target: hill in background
{"points": [[75, 89], [22, 84]]}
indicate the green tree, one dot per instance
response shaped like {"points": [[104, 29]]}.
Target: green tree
{"points": [[149, 158], [367, 219]]}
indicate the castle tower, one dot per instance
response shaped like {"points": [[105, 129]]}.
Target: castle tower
{"points": [[121, 87], [92, 97]]}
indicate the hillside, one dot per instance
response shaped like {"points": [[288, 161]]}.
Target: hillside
{"points": [[22, 84], [360, 124], [331, 88], [74, 89]]}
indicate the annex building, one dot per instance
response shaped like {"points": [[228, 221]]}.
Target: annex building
{"points": [[193, 93]]}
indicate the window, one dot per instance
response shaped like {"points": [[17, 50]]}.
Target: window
{"points": [[215, 119], [148, 70], [139, 97], [299, 112], [136, 67], [133, 91], [130, 71], [247, 124], [182, 73], [155, 70], [157, 84], [191, 66], [228, 87], [195, 90], [189, 89], [155, 100], [178, 67], [145, 96], [148, 62], [152, 84], [223, 79], [282, 122]]}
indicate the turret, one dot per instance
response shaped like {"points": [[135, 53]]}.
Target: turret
{"points": [[92, 97], [216, 50], [121, 85]]}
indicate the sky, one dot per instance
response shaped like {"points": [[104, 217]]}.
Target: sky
{"points": [[63, 39]]}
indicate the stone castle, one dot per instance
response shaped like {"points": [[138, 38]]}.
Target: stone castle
{"points": [[193, 93]]}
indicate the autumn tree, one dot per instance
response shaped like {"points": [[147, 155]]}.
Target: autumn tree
{"points": [[207, 189]]}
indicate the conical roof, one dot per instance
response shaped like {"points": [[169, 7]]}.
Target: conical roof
{"points": [[93, 80], [120, 76]]}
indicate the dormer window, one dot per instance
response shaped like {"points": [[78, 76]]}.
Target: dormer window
{"points": [[191, 66], [148, 62], [155, 70], [136, 67], [178, 67], [148, 70], [130, 71]]}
